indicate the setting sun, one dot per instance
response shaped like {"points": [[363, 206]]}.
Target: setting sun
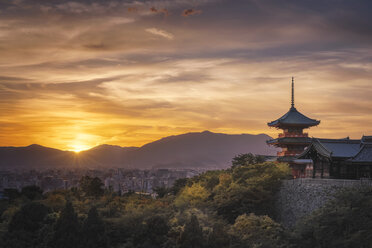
{"points": [[82, 142], [79, 147]]}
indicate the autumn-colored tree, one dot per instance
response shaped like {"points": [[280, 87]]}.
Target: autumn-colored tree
{"points": [[258, 231], [194, 195]]}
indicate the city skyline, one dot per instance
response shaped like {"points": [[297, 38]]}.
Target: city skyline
{"points": [[77, 74]]}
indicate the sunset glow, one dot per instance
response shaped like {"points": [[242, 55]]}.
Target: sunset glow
{"points": [[76, 74]]}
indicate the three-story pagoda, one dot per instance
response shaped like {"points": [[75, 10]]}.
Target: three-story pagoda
{"points": [[292, 140]]}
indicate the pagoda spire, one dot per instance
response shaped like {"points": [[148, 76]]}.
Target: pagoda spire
{"points": [[292, 102]]}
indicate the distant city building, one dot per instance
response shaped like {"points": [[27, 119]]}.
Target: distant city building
{"points": [[116, 180]]}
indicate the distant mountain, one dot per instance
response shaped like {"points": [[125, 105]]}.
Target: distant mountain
{"points": [[190, 150], [34, 156]]}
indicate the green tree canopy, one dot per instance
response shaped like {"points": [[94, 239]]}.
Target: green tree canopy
{"points": [[161, 191], [346, 221], [93, 231], [192, 235], [32, 192], [91, 186], [246, 159], [258, 231], [67, 229], [23, 229]]}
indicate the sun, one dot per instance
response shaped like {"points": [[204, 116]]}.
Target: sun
{"points": [[81, 142], [79, 147]]}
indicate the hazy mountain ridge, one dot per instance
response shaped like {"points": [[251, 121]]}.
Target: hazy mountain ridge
{"points": [[199, 149]]}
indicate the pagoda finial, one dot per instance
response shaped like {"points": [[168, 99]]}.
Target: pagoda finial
{"points": [[292, 102]]}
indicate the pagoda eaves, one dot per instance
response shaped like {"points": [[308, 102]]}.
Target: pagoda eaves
{"points": [[293, 118]]}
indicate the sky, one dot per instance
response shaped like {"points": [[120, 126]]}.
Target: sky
{"points": [[76, 74]]}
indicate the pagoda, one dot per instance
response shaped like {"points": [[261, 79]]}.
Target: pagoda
{"points": [[292, 140]]}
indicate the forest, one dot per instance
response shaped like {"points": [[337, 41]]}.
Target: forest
{"points": [[231, 208]]}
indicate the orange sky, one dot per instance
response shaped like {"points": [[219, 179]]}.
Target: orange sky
{"points": [[77, 74]]}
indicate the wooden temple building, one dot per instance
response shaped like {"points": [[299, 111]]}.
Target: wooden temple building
{"points": [[315, 157]]}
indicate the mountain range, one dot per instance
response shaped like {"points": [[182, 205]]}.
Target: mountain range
{"points": [[190, 150]]}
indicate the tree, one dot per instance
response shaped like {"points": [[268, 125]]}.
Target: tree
{"points": [[246, 159], [91, 186], [67, 229], [11, 194], [55, 201], [250, 189], [219, 237], [178, 185], [32, 192], [192, 235], [345, 221], [156, 230], [258, 231], [93, 231], [23, 229], [161, 191], [194, 195]]}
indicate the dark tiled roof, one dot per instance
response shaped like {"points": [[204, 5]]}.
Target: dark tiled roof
{"points": [[367, 139], [364, 155], [342, 148], [294, 118], [336, 148]]}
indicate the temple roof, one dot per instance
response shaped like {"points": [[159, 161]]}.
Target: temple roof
{"points": [[334, 148], [366, 139], [293, 118], [341, 147], [364, 155]]}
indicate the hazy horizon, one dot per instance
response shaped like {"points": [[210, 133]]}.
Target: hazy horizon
{"points": [[123, 146]]}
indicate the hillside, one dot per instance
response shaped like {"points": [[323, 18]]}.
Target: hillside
{"points": [[203, 149]]}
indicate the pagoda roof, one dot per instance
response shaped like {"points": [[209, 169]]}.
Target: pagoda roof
{"points": [[294, 118], [290, 140]]}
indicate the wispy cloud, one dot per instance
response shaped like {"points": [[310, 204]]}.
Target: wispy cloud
{"points": [[161, 33], [189, 12]]}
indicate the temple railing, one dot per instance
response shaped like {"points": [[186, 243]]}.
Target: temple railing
{"points": [[293, 135], [288, 153]]}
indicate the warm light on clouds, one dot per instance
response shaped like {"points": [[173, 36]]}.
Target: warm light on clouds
{"points": [[76, 74], [160, 33]]}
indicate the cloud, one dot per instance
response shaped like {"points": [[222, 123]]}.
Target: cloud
{"points": [[163, 11], [189, 12], [132, 9], [161, 33]]}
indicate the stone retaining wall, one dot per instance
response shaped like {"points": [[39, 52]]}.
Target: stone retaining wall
{"points": [[300, 197]]}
